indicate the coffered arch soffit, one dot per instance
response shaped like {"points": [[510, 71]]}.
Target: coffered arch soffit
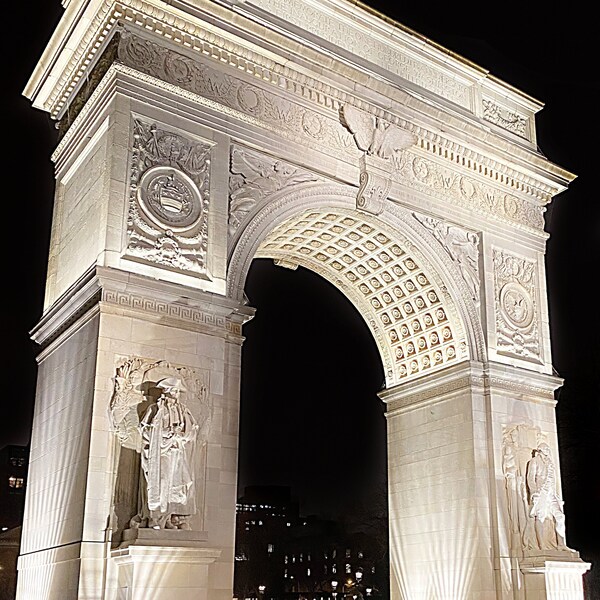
{"points": [[410, 293]]}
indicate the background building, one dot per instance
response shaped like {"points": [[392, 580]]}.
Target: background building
{"points": [[281, 554], [14, 461], [13, 479]]}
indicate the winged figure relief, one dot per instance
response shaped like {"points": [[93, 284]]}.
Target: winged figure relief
{"points": [[373, 135], [255, 177]]}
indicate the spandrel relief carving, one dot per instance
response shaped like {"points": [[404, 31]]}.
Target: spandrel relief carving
{"points": [[461, 245], [161, 416], [516, 312], [169, 199], [535, 511], [255, 176]]}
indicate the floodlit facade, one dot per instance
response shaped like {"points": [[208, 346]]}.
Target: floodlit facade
{"points": [[198, 135]]}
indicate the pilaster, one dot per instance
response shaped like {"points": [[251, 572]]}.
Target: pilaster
{"points": [[78, 509]]}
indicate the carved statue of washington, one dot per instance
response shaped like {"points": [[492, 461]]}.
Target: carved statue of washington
{"points": [[169, 432]]}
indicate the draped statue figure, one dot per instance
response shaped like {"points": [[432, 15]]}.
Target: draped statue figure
{"points": [[169, 430], [545, 507], [161, 460]]}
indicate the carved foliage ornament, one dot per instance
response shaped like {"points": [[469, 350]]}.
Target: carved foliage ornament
{"points": [[516, 319], [256, 176], [274, 112], [169, 198], [315, 130], [435, 179], [504, 118]]}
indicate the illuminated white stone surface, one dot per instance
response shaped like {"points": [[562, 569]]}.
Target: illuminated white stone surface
{"points": [[196, 138]]}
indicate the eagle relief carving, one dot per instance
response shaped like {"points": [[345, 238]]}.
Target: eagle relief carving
{"points": [[379, 140]]}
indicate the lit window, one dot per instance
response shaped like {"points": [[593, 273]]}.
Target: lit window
{"points": [[270, 548], [348, 552], [286, 559], [348, 568], [334, 569], [308, 572], [360, 554], [15, 482]]}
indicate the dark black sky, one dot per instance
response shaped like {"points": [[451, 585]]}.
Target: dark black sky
{"points": [[294, 371]]}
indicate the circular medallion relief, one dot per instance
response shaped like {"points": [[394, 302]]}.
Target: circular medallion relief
{"points": [[170, 198], [516, 304]]}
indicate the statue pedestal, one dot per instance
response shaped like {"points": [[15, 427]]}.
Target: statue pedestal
{"points": [[554, 575], [163, 564]]}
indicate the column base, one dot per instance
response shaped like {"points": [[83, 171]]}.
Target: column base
{"points": [[163, 565], [554, 576]]}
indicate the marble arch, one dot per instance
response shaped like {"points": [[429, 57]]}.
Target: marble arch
{"points": [[195, 135], [410, 292]]}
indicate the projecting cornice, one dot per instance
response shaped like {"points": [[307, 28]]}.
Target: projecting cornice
{"points": [[287, 59], [111, 290]]}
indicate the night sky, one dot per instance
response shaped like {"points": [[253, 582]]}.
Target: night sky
{"points": [[310, 413]]}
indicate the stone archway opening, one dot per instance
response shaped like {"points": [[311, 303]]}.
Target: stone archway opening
{"points": [[407, 308], [310, 420], [381, 282]]}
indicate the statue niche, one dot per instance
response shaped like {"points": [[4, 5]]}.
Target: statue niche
{"points": [[162, 445], [535, 511]]}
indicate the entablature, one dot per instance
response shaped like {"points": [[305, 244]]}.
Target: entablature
{"points": [[447, 135]]}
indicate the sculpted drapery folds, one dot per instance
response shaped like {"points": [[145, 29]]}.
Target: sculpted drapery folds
{"points": [[545, 507], [534, 507], [168, 435], [169, 432]]}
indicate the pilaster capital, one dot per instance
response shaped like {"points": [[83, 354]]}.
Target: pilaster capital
{"points": [[464, 376], [109, 290], [489, 378]]}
